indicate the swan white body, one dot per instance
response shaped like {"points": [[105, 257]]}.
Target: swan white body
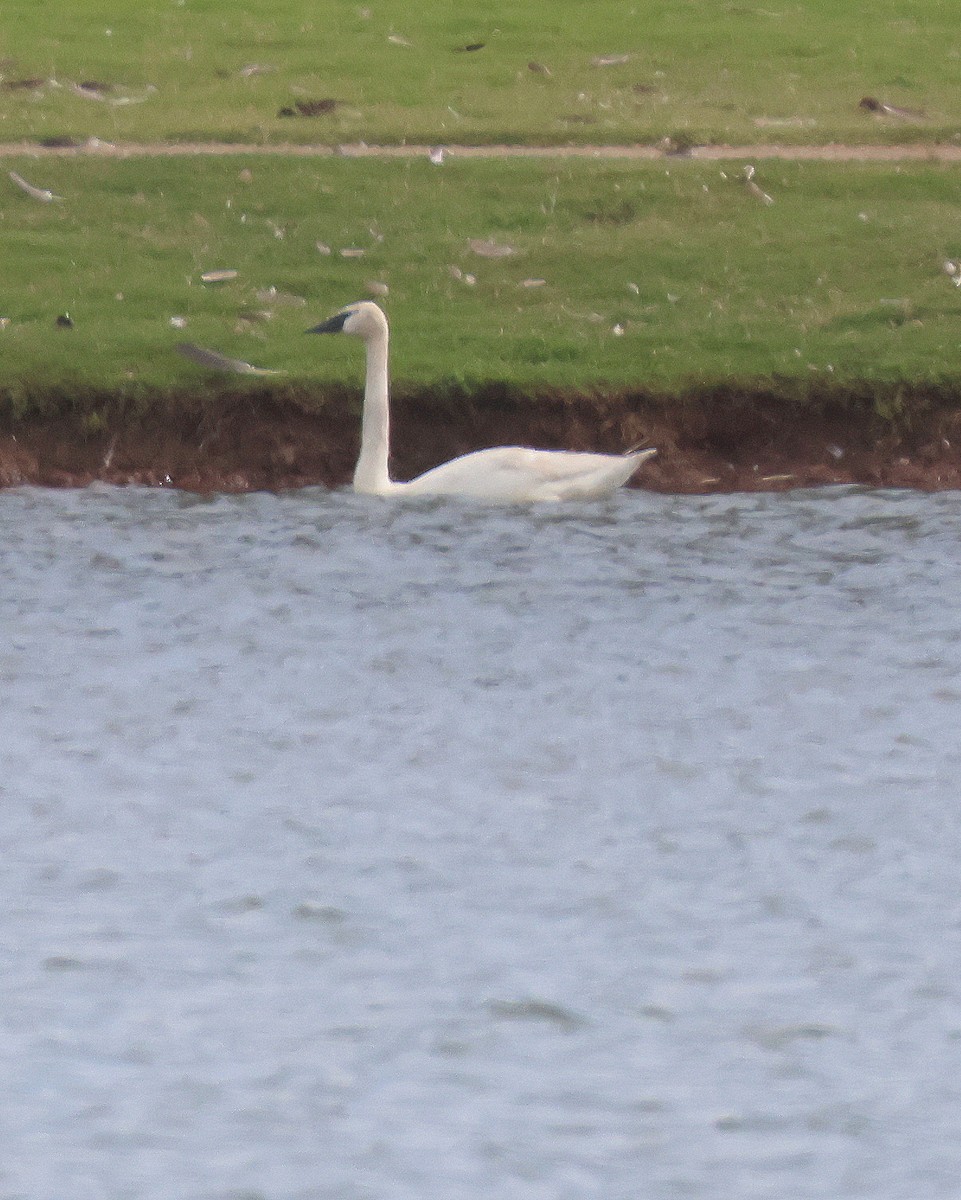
{"points": [[509, 474]]}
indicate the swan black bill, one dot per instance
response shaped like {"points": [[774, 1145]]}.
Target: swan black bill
{"points": [[334, 325]]}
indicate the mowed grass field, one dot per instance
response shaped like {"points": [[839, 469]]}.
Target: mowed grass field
{"points": [[543, 71], [666, 275]]}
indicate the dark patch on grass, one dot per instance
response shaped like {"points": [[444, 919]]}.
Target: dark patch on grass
{"points": [[611, 212], [539, 351], [310, 108]]}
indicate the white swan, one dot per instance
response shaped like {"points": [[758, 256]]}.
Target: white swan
{"points": [[511, 474]]}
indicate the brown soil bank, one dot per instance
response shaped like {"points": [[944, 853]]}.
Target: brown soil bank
{"points": [[718, 439]]}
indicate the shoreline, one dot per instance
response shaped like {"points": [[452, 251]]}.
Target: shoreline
{"points": [[716, 438], [262, 439]]}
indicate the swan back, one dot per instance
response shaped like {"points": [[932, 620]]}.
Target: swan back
{"points": [[519, 475]]}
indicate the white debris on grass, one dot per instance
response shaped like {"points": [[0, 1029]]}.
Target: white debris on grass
{"points": [[753, 188], [213, 360], [37, 193], [488, 248]]}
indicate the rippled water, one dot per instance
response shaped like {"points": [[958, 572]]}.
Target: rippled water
{"points": [[436, 852]]}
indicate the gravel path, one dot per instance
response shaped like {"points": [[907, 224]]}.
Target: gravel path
{"points": [[914, 152]]}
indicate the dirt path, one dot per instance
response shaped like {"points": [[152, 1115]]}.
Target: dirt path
{"points": [[94, 148]]}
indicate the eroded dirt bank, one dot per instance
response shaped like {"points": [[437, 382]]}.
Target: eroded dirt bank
{"points": [[717, 440]]}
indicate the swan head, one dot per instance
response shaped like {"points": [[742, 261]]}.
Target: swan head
{"points": [[363, 319]]}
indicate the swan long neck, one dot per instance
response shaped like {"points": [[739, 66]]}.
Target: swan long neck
{"points": [[371, 473]]}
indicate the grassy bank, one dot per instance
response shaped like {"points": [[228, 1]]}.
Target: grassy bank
{"points": [[667, 276], [634, 70]]}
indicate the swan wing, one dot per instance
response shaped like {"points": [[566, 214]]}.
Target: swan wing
{"points": [[518, 474]]}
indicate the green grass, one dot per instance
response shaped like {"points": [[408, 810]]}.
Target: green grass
{"points": [[840, 280], [664, 275], [704, 71]]}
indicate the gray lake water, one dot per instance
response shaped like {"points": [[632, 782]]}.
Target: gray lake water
{"points": [[354, 851]]}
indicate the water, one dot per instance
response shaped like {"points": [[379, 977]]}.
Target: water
{"points": [[354, 851]]}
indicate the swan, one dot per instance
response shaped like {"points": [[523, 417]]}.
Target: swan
{"points": [[508, 474]]}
